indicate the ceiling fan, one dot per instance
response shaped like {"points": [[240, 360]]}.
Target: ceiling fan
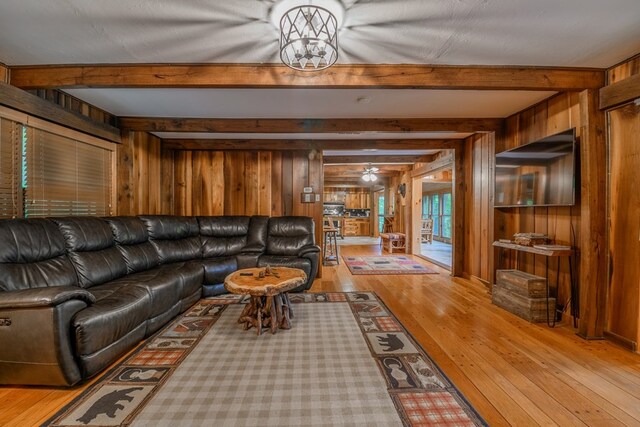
{"points": [[369, 174]]}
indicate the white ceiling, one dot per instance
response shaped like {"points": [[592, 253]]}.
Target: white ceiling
{"points": [[575, 33], [584, 33], [305, 103]]}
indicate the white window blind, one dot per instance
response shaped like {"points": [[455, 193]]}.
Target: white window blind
{"points": [[65, 176], [10, 169]]}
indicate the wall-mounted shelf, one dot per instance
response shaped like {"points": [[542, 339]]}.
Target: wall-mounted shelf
{"points": [[546, 250]]}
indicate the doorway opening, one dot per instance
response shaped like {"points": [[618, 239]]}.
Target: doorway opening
{"points": [[436, 218]]}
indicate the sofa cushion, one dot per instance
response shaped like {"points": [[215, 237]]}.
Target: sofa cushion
{"points": [[223, 235], [119, 309], [164, 288], [175, 238], [286, 235], [217, 269], [92, 250], [33, 255], [132, 240]]}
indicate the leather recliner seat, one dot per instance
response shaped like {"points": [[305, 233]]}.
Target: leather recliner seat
{"points": [[78, 292]]}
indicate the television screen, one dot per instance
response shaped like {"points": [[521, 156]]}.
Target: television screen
{"points": [[541, 173]]}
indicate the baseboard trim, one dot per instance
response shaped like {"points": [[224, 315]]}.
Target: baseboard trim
{"points": [[477, 280], [621, 341]]}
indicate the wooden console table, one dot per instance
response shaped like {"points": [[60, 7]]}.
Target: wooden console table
{"points": [[548, 251]]}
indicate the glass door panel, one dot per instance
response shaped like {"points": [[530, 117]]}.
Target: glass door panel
{"points": [[380, 213], [446, 216], [435, 213]]}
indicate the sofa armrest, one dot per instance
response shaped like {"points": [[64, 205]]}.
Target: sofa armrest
{"points": [[44, 297], [37, 335], [307, 249]]}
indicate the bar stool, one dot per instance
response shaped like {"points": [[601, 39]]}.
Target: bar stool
{"points": [[330, 247]]}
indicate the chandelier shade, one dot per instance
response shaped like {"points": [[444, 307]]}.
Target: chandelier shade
{"points": [[308, 38]]}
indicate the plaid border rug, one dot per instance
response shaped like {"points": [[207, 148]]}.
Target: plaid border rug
{"points": [[346, 361], [386, 264]]}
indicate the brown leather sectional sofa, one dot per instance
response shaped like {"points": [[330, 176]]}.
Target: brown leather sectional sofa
{"points": [[78, 292]]}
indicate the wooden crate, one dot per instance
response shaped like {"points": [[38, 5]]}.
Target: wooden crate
{"points": [[531, 309], [521, 283]]}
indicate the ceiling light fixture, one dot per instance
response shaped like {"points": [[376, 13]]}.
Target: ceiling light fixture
{"points": [[369, 174], [308, 38]]}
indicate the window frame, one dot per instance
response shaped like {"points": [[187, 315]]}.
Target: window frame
{"points": [[28, 121]]}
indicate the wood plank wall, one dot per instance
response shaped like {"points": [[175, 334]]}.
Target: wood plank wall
{"points": [[624, 204], [4, 73], [153, 180], [143, 176], [72, 103], [246, 183], [479, 149], [562, 224]]}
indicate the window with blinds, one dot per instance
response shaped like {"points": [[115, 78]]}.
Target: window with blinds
{"points": [[10, 169], [65, 176]]}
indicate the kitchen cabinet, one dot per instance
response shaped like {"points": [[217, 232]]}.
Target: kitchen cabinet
{"points": [[359, 200], [353, 198], [357, 227]]}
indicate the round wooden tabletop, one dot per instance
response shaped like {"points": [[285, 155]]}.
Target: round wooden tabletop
{"points": [[248, 281]]}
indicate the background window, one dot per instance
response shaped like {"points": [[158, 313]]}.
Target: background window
{"points": [[65, 176]]}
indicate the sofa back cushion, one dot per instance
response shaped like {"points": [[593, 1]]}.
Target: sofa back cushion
{"points": [[132, 240], [92, 250], [287, 234], [33, 255], [175, 238], [223, 235]]}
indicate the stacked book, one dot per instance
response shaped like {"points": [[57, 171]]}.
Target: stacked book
{"points": [[523, 294], [530, 239]]}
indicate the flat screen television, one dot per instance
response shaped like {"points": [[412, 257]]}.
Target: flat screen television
{"points": [[541, 173]]}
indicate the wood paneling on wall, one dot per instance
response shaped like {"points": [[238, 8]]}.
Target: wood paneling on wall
{"points": [[142, 167], [4, 73], [624, 204], [624, 223], [629, 68], [562, 224], [479, 150], [247, 183], [72, 103]]}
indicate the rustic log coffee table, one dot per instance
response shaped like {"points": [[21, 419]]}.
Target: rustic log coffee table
{"points": [[269, 305]]}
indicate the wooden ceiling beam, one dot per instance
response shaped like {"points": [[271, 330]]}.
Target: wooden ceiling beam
{"points": [[328, 160], [351, 183], [620, 92], [175, 124], [358, 174], [341, 76], [335, 144], [333, 169]]}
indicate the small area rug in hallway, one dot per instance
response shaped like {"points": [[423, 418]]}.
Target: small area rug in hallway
{"points": [[388, 264], [346, 361]]}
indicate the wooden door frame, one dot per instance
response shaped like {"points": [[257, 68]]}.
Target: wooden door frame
{"points": [[441, 193], [457, 238]]}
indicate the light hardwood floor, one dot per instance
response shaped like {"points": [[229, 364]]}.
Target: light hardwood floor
{"points": [[513, 372]]}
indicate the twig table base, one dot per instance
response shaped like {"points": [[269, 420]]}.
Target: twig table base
{"points": [[269, 306]]}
